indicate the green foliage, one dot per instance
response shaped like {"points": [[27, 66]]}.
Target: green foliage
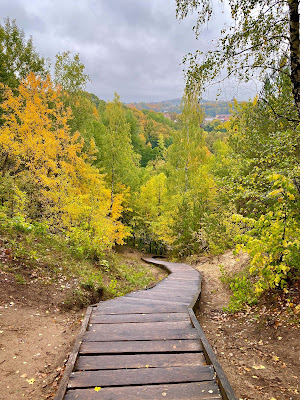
{"points": [[273, 240], [21, 225], [151, 215], [116, 155], [18, 56], [20, 279], [98, 172], [242, 288], [256, 43], [92, 282], [258, 170], [69, 73], [84, 244], [219, 231], [51, 259]]}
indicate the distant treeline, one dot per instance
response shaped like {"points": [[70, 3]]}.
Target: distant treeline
{"points": [[211, 108]]}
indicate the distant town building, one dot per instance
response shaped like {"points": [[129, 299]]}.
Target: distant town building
{"points": [[209, 119], [223, 117]]}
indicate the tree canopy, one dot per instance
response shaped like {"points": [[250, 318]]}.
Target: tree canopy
{"points": [[262, 40], [17, 55]]}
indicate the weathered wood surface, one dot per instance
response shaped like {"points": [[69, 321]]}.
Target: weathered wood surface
{"points": [[140, 376], [89, 363], [118, 319], [144, 346], [141, 346], [180, 391]]}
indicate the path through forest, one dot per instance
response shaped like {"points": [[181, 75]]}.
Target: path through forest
{"points": [[261, 359]]}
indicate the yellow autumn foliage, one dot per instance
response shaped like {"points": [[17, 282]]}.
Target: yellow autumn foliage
{"points": [[48, 165]]}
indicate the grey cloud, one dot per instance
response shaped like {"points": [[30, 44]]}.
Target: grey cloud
{"points": [[134, 47]]}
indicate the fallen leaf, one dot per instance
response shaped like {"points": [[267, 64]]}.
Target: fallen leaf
{"points": [[97, 388], [258, 367], [247, 369]]}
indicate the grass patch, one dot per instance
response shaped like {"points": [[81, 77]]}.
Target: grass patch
{"points": [[241, 285], [36, 255]]}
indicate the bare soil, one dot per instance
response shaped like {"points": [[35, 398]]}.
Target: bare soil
{"points": [[259, 349], [36, 337]]}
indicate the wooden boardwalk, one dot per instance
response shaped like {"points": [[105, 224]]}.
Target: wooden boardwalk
{"points": [[146, 345]]}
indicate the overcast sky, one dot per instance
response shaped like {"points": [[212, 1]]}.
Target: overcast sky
{"points": [[134, 47]]}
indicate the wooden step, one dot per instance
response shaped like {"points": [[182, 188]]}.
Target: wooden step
{"points": [[178, 391]]}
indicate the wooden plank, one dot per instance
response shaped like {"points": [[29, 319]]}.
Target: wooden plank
{"points": [[128, 300], [186, 299], [127, 347], [144, 376], [141, 318], [139, 361], [161, 292], [128, 327], [178, 391], [177, 289], [140, 334], [174, 293], [139, 309], [192, 273], [184, 276], [174, 285]]}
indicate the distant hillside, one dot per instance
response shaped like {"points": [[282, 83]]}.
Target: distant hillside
{"points": [[211, 108], [161, 106]]}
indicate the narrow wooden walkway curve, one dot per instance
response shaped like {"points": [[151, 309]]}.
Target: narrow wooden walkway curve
{"points": [[146, 345]]}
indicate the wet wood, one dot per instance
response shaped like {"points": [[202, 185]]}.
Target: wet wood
{"points": [[139, 361], [140, 334], [141, 346], [139, 309], [179, 391], [143, 376], [141, 318], [125, 327], [150, 300]]}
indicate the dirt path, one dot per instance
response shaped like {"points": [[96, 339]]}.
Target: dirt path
{"points": [[259, 354], [35, 339]]}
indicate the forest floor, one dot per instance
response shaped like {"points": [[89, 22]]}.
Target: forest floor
{"points": [[37, 333], [259, 348]]}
